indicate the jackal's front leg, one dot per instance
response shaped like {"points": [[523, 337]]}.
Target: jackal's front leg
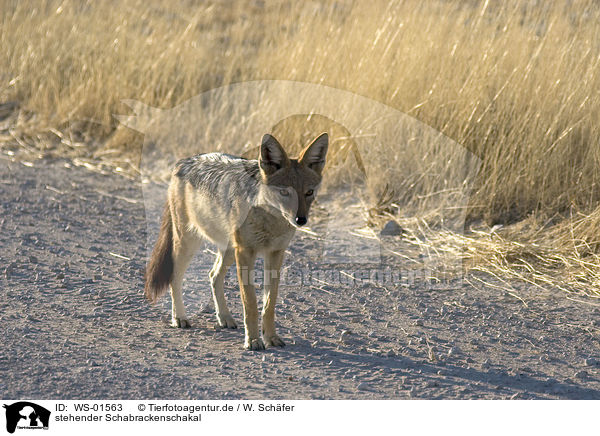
{"points": [[273, 262], [245, 259]]}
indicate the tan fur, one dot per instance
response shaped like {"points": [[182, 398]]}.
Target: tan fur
{"points": [[244, 216]]}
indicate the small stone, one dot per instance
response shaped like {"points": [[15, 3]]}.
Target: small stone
{"points": [[391, 228], [33, 259], [581, 374], [363, 387], [591, 362], [418, 323]]}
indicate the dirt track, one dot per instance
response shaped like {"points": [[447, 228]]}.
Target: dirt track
{"points": [[74, 323]]}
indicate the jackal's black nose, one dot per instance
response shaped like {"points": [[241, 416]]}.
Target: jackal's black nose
{"points": [[301, 220]]}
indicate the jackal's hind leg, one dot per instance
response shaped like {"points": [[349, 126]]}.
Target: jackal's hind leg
{"points": [[217, 278], [184, 248]]}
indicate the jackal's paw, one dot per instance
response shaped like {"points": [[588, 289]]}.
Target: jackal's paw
{"points": [[226, 321], [254, 344], [274, 341], [180, 323]]}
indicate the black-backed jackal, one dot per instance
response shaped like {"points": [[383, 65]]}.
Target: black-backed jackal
{"points": [[246, 208]]}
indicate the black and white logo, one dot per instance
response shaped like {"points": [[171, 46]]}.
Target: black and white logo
{"points": [[26, 415]]}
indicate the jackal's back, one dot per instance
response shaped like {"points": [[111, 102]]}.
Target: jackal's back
{"points": [[217, 191], [220, 175]]}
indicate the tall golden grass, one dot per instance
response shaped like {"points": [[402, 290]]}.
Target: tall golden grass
{"points": [[516, 82]]}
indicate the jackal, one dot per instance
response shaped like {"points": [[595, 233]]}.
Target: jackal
{"points": [[246, 208]]}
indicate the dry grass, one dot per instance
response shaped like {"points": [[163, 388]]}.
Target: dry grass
{"points": [[515, 82]]}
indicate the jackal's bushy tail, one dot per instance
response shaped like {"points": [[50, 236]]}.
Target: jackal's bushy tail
{"points": [[159, 270]]}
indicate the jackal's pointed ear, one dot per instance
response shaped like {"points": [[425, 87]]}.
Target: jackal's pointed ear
{"points": [[272, 155], [314, 155]]}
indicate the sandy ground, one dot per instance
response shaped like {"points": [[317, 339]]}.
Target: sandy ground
{"points": [[75, 325]]}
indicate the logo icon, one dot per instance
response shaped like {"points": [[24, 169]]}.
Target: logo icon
{"points": [[26, 415]]}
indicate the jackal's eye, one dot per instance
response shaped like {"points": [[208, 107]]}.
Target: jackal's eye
{"points": [[284, 192], [309, 192]]}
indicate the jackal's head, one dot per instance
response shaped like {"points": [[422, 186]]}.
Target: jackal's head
{"points": [[290, 185]]}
